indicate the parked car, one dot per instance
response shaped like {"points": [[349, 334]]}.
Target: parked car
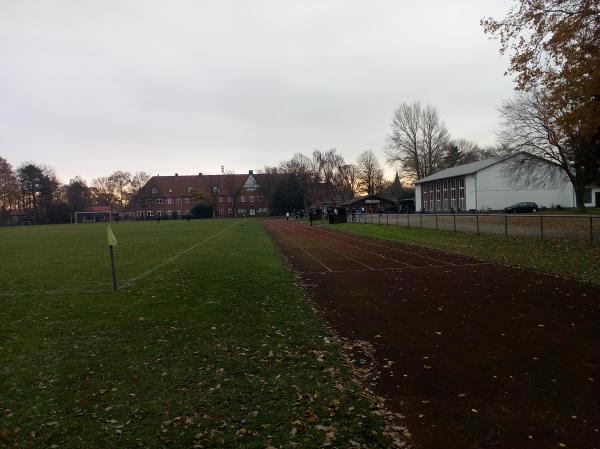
{"points": [[525, 207]]}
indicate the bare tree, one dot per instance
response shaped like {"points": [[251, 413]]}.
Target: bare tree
{"points": [[233, 189], [417, 140], [9, 190], [350, 179], [301, 167], [138, 180], [370, 173], [552, 150], [269, 183]]}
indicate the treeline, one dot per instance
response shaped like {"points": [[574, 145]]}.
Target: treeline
{"points": [[35, 191], [325, 177]]}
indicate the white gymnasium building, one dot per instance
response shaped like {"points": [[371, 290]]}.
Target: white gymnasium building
{"points": [[482, 185]]}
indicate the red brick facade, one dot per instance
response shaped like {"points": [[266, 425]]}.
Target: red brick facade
{"points": [[231, 194]]}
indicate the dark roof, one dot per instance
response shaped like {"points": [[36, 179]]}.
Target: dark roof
{"points": [[179, 185], [358, 199]]}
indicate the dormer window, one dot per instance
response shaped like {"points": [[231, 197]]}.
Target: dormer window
{"points": [[189, 190], [154, 190], [170, 190]]}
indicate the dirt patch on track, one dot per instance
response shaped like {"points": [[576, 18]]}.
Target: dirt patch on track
{"points": [[474, 354]]}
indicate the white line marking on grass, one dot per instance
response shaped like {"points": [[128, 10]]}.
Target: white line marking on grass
{"points": [[133, 280], [274, 227], [125, 283]]}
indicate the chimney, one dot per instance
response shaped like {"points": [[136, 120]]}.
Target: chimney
{"points": [[200, 174], [176, 174], [250, 172]]}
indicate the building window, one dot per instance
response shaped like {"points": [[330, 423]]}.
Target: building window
{"points": [[190, 190], [149, 213], [438, 196], [230, 211], [230, 199], [221, 211], [140, 213], [220, 199], [177, 200], [158, 200], [154, 190], [169, 201], [260, 198], [242, 199], [241, 211], [169, 212], [445, 195], [178, 212], [159, 213], [461, 194], [138, 201], [251, 198], [587, 196], [187, 200]]}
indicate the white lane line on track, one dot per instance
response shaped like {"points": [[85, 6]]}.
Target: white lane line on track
{"points": [[274, 227], [337, 252], [403, 268], [404, 251], [364, 249]]}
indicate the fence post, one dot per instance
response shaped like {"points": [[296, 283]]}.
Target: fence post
{"points": [[477, 221], [379, 218], [591, 230], [371, 217], [387, 218], [408, 218], [421, 219], [436, 223], [505, 225], [454, 216], [542, 227], [397, 218]]}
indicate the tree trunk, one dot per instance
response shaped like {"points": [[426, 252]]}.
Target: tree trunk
{"points": [[579, 189]]}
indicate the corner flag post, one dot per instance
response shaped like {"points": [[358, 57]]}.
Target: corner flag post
{"points": [[112, 242]]}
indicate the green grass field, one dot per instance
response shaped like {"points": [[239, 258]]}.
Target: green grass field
{"points": [[209, 344], [566, 258]]}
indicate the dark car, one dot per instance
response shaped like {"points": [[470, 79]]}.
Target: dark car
{"points": [[526, 207]]}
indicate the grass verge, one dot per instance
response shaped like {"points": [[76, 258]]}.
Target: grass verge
{"points": [[572, 259], [218, 348]]}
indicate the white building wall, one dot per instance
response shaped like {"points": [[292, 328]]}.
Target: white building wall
{"points": [[494, 191], [471, 192], [418, 197], [593, 203]]}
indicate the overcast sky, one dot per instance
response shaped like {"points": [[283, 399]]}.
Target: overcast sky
{"points": [[90, 87]]}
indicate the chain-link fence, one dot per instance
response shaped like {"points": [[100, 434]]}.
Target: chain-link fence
{"points": [[574, 227]]}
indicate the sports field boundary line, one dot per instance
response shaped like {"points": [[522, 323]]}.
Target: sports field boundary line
{"points": [[352, 236], [274, 227], [124, 284], [361, 249], [426, 267], [129, 282], [307, 235], [414, 245]]}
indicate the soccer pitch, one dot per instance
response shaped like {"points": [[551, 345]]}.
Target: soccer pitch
{"points": [[207, 343]]}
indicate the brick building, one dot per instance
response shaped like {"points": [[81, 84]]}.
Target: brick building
{"points": [[230, 194]]}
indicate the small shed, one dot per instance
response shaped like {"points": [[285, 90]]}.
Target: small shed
{"points": [[370, 204]]}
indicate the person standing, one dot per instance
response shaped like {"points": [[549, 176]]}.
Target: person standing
{"points": [[287, 216]]}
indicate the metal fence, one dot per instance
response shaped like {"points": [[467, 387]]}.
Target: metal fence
{"points": [[573, 227]]}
